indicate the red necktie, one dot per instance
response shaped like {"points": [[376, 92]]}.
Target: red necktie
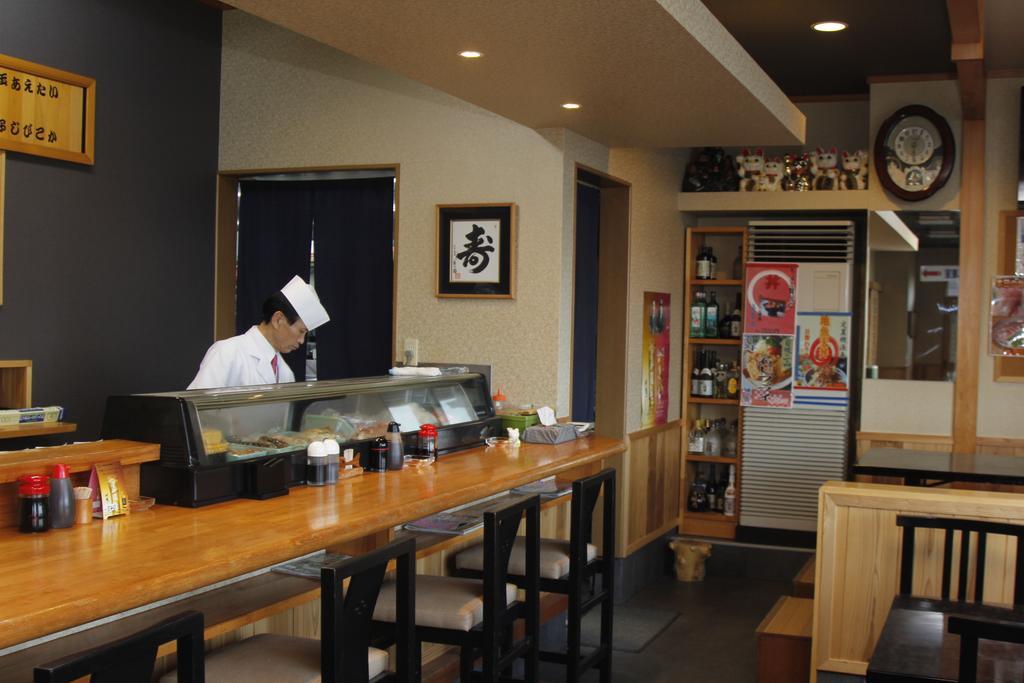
{"points": [[273, 364]]}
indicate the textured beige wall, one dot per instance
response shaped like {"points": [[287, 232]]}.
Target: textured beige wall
{"points": [[655, 259], [999, 403], [287, 101]]}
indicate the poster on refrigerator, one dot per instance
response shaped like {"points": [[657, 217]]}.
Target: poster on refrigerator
{"points": [[654, 367], [770, 292], [1006, 316], [767, 371], [822, 360]]}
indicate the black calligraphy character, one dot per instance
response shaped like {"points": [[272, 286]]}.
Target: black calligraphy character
{"points": [[54, 92], [3, 125], [40, 133], [27, 130], [478, 249], [52, 137], [40, 89], [28, 85], [15, 127], [15, 83], [3, 78]]}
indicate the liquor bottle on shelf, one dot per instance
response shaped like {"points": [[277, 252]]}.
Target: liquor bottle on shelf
{"points": [[698, 499], [696, 444], [713, 439], [707, 380], [730, 441], [703, 264], [736, 320], [732, 381], [711, 316], [695, 374], [721, 381], [737, 264], [712, 264], [730, 494], [724, 323], [722, 485], [712, 492], [698, 314]]}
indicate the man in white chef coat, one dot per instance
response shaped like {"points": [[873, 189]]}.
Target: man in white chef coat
{"points": [[255, 357]]}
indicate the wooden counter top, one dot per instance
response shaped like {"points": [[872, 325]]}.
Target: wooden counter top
{"points": [[66, 577]]}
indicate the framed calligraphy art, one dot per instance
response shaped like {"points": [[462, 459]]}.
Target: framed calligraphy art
{"points": [[476, 251]]}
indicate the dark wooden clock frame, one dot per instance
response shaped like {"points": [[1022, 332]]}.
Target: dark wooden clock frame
{"points": [[948, 151]]}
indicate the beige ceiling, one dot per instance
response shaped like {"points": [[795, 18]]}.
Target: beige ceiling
{"points": [[648, 73]]}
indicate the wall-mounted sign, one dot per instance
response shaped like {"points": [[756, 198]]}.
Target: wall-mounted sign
{"points": [[46, 112], [939, 273]]}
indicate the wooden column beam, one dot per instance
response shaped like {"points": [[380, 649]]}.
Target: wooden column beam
{"points": [[967, 27]]}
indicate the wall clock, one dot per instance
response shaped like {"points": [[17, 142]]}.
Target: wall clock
{"points": [[914, 153]]}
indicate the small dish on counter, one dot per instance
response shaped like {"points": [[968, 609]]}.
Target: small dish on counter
{"points": [[140, 504], [497, 441]]}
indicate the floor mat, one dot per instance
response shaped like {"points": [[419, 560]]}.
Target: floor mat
{"points": [[634, 628]]}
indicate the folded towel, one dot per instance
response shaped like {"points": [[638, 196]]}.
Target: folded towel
{"points": [[415, 372]]}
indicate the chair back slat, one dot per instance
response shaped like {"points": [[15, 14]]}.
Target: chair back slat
{"points": [[970, 630], [962, 528], [500, 530], [979, 569], [965, 558], [585, 494], [947, 563], [133, 658], [346, 615]]}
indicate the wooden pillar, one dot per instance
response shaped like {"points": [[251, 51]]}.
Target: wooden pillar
{"points": [[966, 22]]}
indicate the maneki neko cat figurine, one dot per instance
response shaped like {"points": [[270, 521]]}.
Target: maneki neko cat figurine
{"points": [[797, 177], [749, 167], [825, 169], [855, 170], [771, 178]]}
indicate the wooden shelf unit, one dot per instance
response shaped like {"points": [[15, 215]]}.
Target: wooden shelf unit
{"points": [[710, 524], [16, 392], [20, 431]]}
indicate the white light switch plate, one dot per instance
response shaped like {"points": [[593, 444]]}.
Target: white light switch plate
{"points": [[412, 351]]}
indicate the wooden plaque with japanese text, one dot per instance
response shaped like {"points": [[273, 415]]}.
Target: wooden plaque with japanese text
{"points": [[46, 112]]}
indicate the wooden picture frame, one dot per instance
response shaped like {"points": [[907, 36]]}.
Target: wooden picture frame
{"points": [[476, 251]]}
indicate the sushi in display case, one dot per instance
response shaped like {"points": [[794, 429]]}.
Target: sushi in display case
{"points": [[220, 444]]}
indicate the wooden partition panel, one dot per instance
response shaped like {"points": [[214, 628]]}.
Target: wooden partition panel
{"points": [[859, 560], [655, 459]]}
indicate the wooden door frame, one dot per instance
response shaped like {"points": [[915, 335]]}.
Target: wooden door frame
{"points": [[225, 241]]}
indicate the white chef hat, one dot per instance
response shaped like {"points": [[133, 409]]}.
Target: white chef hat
{"points": [[306, 303]]}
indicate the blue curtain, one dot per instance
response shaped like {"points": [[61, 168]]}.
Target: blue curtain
{"points": [[276, 220], [584, 337], [354, 228]]}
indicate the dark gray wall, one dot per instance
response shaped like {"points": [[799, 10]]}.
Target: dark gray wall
{"points": [[108, 269]]}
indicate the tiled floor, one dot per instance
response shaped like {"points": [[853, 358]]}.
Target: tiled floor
{"points": [[712, 641]]}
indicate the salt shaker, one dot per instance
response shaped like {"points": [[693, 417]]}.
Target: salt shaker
{"points": [[316, 464]]}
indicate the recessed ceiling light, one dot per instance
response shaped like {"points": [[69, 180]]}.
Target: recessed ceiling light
{"points": [[829, 26], [471, 54], [570, 105]]}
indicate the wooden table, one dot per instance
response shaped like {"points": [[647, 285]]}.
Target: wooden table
{"points": [[64, 578], [916, 646], [917, 467]]}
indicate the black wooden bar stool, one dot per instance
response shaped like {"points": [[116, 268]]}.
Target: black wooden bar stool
{"points": [[569, 568], [343, 652], [131, 659], [479, 616]]}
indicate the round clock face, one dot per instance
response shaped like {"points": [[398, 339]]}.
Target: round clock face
{"points": [[914, 153]]}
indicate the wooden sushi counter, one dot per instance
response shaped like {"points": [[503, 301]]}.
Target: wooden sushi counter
{"points": [[67, 577]]}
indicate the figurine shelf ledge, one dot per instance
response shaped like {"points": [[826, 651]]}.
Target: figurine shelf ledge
{"points": [[731, 202]]}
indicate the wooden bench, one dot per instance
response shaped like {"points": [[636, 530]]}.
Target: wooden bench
{"points": [[784, 642], [803, 584]]}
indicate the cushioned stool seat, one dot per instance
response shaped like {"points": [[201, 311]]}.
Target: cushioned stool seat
{"points": [[442, 602], [554, 558], [268, 657]]}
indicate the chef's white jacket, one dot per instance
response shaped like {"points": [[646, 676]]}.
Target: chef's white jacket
{"points": [[241, 361]]}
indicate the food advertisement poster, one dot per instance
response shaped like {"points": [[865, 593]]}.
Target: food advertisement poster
{"points": [[770, 306], [654, 367], [767, 370], [822, 378], [1007, 316]]}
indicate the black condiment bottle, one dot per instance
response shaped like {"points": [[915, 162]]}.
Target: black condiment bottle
{"points": [[377, 458], [396, 450]]}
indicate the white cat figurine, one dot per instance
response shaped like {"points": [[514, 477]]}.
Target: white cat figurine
{"points": [[771, 178], [855, 170], [749, 167], [825, 169]]}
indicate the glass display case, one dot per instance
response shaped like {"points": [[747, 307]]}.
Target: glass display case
{"points": [[218, 444]]}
